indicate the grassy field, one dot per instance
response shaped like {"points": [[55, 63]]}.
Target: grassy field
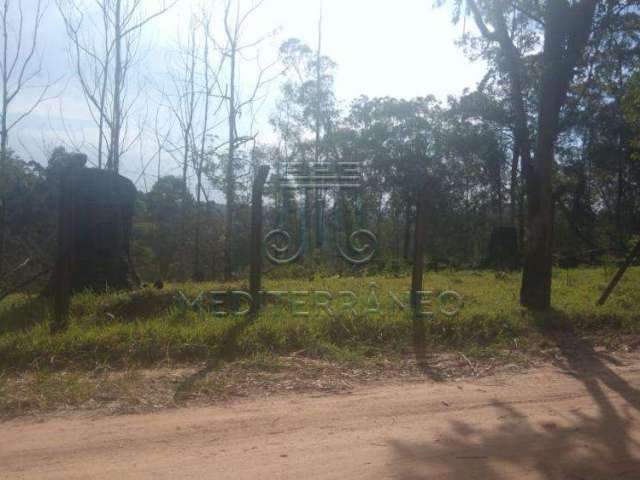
{"points": [[150, 327]]}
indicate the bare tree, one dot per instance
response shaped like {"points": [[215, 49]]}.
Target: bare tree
{"points": [[182, 102], [199, 158], [194, 102], [233, 50], [210, 75], [91, 64], [188, 104], [104, 37], [21, 68], [148, 155], [319, 200]]}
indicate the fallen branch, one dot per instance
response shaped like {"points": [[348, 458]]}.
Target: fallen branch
{"points": [[619, 274]]}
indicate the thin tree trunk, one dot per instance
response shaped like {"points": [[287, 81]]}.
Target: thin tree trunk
{"points": [[500, 202], [214, 257], [255, 276], [103, 94], [114, 160], [521, 209], [3, 223], [318, 191], [3, 140], [197, 270], [396, 233], [230, 176], [408, 220], [185, 188], [187, 136], [514, 189], [619, 198]]}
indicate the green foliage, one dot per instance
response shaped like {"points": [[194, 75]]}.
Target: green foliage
{"points": [[148, 327], [632, 111]]}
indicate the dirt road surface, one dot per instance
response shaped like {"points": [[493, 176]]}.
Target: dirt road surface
{"points": [[578, 421]]}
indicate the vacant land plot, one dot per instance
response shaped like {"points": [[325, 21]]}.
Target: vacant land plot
{"points": [[117, 344]]}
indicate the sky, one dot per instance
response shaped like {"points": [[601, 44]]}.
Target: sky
{"points": [[400, 48]]}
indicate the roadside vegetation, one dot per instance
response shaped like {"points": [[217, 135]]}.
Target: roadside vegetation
{"points": [[150, 349], [151, 327]]}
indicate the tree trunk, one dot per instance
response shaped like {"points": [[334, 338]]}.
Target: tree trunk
{"points": [[188, 128], [619, 202], [101, 124], [397, 252], [3, 186], [513, 188], [198, 274], [408, 220], [3, 222], [3, 145], [230, 179], [318, 191], [536, 280], [567, 31], [114, 147], [255, 275]]}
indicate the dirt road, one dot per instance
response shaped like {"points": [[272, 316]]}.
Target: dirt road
{"points": [[578, 421]]}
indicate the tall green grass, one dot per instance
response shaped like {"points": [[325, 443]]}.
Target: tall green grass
{"points": [[148, 326]]}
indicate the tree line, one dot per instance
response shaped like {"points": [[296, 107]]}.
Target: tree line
{"points": [[547, 143]]}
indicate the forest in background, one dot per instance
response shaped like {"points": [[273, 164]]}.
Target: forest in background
{"points": [[562, 75]]}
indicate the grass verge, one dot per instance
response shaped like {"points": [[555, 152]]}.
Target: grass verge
{"points": [[147, 327]]}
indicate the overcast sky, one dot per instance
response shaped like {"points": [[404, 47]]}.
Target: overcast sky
{"points": [[400, 48]]}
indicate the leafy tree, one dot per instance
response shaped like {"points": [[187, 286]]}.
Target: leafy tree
{"points": [[306, 116], [558, 32]]}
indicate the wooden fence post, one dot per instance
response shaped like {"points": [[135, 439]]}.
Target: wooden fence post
{"points": [[256, 237]]}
